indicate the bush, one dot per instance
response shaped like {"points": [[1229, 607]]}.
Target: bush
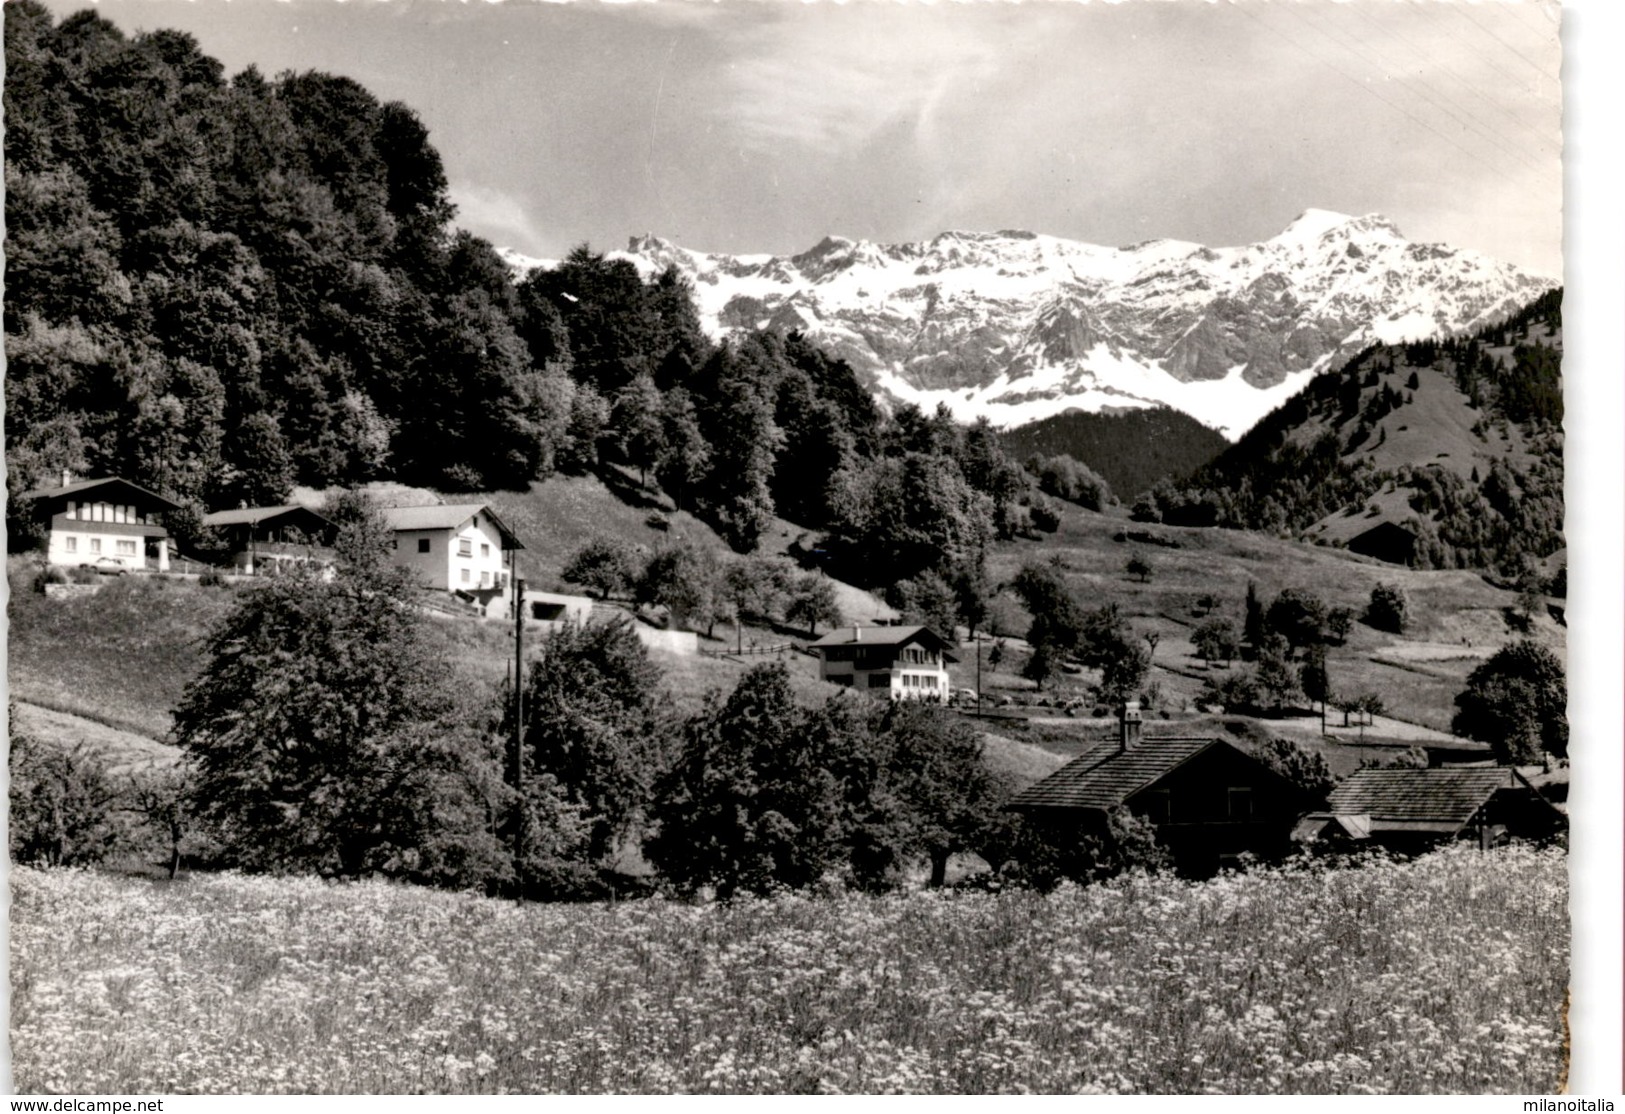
{"points": [[65, 805], [1388, 609]]}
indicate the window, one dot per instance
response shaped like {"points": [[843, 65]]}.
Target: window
{"points": [[70, 544], [465, 576], [423, 545], [485, 578], [95, 545], [126, 548], [485, 550], [880, 680], [465, 548], [72, 511], [394, 543]]}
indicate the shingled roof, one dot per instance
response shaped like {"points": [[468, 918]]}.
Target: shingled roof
{"points": [[252, 516], [885, 636], [1441, 795], [447, 516], [1105, 775]]}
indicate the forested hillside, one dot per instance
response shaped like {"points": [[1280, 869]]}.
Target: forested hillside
{"points": [[1130, 449], [1458, 441], [219, 288]]}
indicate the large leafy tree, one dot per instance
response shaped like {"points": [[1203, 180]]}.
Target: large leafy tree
{"points": [[595, 722], [1517, 702], [751, 803], [328, 735]]}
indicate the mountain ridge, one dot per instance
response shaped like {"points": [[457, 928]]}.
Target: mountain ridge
{"points": [[1017, 326]]}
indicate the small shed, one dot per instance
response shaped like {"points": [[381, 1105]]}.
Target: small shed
{"points": [[1412, 810]]}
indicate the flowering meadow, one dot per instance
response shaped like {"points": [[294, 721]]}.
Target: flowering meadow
{"points": [[1444, 974]]}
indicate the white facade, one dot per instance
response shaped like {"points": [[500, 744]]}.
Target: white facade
{"points": [[460, 556], [906, 672], [100, 532]]}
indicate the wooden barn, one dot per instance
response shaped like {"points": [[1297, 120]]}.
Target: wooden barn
{"points": [[1209, 800], [1413, 810], [1386, 541]]}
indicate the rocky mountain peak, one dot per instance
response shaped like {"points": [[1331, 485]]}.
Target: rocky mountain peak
{"points": [[1019, 325]]}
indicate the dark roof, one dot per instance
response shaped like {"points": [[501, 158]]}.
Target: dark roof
{"points": [[447, 516], [1445, 795], [1105, 776], [256, 515], [883, 636], [107, 481]]}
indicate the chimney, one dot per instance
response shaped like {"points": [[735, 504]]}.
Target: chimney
{"points": [[1129, 718], [67, 477], [857, 634]]}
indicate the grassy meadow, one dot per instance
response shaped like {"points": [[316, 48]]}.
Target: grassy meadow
{"points": [[1445, 974]]}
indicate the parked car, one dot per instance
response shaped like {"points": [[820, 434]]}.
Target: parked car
{"points": [[107, 566], [965, 696]]}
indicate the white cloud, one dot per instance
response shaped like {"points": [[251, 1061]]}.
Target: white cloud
{"points": [[498, 216], [834, 79]]}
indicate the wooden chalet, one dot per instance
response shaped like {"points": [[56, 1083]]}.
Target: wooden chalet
{"points": [[266, 539], [109, 524], [1209, 800], [900, 663], [1414, 810]]}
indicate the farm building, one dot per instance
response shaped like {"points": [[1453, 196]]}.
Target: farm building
{"points": [[266, 539], [1412, 810], [901, 663], [463, 548], [1386, 541], [1210, 801], [110, 524]]}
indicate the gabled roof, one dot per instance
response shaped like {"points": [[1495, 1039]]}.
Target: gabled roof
{"points": [[895, 637], [83, 486], [447, 516], [1440, 795], [1105, 776], [254, 515]]}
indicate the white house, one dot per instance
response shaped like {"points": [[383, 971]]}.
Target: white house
{"points": [[109, 523], [901, 663], [461, 547]]}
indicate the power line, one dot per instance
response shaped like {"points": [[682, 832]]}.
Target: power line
{"points": [[1479, 96], [1483, 132], [1364, 87], [1536, 66]]}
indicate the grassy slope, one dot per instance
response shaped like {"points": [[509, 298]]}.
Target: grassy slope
{"points": [[123, 657], [1457, 619]]}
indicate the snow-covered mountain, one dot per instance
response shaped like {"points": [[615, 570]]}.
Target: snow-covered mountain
{"points": [[1018, 326]]}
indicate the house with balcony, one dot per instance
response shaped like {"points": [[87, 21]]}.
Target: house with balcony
{"points": [[265, 540], [463, 548], [108, 524], [899, 663], [1210, 801]]}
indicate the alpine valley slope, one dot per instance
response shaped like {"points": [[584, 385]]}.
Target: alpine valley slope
{"points": [[1018, 326]]}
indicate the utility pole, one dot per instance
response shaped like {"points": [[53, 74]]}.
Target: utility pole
{"points": [[978, 676], [516, 758]]}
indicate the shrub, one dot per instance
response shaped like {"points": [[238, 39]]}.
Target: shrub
{"points": [[1388, 609], [65, 805]]}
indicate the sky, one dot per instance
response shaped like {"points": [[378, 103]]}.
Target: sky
{"points": [[763, 125]]}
